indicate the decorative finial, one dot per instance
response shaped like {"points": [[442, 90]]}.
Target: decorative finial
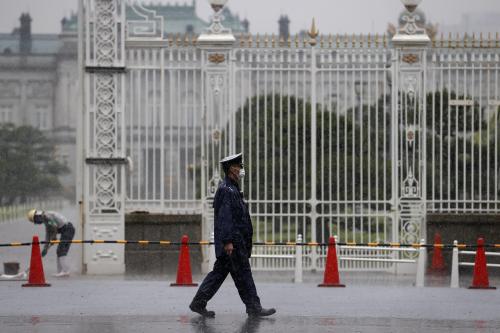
{"points": [[313, 33]]}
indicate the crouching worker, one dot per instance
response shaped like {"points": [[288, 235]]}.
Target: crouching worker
{"points": [[55, 223], [233, 244]]}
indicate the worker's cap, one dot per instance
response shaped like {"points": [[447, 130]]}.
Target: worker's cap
{"points": [[35, 215], [226, 162]]}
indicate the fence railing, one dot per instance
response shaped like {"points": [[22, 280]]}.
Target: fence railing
{"points": [[351, 258], [12, 212]]}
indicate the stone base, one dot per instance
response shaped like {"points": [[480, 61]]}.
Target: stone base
{"points": [[160, 259], [105, 268]]}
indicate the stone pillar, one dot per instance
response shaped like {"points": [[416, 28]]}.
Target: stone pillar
{"points": [[409, 126], [103, 135], [216, 45]]}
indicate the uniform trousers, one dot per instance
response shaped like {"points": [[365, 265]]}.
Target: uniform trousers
{"points": [[238, 265]]}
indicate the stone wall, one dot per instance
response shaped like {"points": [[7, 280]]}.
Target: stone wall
{"points": [[159, 259]]}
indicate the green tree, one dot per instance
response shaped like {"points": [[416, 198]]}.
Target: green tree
{"points": [[280, 126], [28, 167]]}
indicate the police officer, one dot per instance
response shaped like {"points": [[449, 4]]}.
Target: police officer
{"points": [[233, 244], [55, 223]]}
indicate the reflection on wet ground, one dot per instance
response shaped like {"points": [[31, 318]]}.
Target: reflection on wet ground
{"points": [[237, 324]]}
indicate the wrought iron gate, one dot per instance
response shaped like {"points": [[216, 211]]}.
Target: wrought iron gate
{"points": [[341, 135]]}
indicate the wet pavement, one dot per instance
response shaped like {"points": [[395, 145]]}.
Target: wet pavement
{"points": [[94, 304], [227, 323], [372, 302]]}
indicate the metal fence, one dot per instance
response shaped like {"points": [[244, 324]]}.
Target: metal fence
{"points": [[272, 91], [356, 136], [463, 126]]}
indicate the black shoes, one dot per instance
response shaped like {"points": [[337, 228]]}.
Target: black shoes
{"points": [[262, 312], [210, 314], [202, 311]]}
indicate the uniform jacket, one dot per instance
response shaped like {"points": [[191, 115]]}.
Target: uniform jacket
{"points": [[232, 219]]}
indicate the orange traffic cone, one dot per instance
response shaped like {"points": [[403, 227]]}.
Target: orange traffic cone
{"points": [[331, 278], [437, 265], [480, 278], [184, 276], [36, 277]]}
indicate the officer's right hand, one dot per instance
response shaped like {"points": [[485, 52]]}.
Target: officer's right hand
{"points": [[228, 248]]}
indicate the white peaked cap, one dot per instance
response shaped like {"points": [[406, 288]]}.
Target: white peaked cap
{"points": [[232, 158]]}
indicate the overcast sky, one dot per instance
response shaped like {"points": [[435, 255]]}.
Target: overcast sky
{"points": [[332, 16]]}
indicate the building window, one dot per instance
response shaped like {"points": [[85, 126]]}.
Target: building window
{"points": [[5, 113], [41, 117]]}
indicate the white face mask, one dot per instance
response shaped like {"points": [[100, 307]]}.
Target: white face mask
{"points": [[242, 173]]}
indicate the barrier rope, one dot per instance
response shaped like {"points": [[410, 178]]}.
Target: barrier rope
{"points": [[170, 243]]}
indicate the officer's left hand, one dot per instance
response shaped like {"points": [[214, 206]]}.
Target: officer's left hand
{"points": [[44, 252], [229, 248]]}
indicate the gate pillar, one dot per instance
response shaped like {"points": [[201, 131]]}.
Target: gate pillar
{"points": [[409, 126], [218, 137], [102, 138]]}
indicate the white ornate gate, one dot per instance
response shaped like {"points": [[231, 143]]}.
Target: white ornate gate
{"points": [[341, 135]]}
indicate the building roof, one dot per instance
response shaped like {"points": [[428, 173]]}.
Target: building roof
{"points": [[178, 19], [40, 43]]}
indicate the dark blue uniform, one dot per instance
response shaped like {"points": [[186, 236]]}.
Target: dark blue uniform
{"points": [[232, 225]]}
